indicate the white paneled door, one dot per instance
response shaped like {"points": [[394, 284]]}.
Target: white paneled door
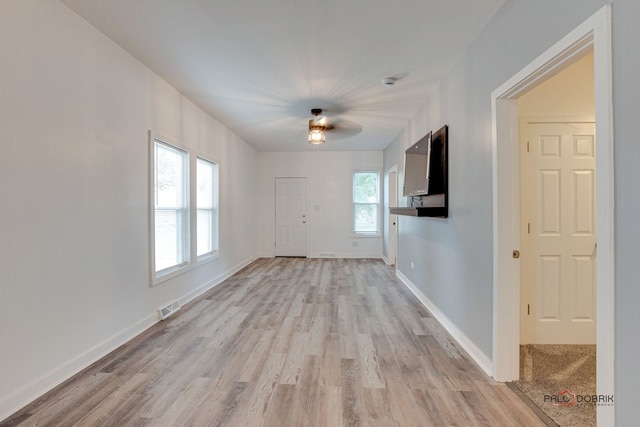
{"points": [[558, 240], [291, 217]]}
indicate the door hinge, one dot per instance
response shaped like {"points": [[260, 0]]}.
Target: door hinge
{"points": [[528, 146], [528, 309], [528, 228]]}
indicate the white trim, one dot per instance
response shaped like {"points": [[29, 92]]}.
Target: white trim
{"points": [[215, 253], [380, 203], [366, 236], [506, 223], [207, 258], [347, 255], [58, 375], [157, 277], [210, 284], [266, 255], [467, 344], [594, 33], [41, 385], [388, 216], [193, 261], [605, 212]]}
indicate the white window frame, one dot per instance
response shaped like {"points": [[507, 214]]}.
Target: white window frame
{"points": [[215, 212], [378, 204], [169, 272], [191, 220]]}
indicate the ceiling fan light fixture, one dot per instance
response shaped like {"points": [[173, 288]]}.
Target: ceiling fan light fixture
{"points": [[316, 135], [316, 128]]}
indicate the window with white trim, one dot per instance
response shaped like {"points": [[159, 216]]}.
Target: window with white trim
{"points": [[171, 208], [366, 202], [207, 208]]}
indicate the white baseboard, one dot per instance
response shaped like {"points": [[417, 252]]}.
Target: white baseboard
{"points": [[57, 376], [266, 255], [345, 255], [36, 388], [215, 281], [476, 354], [337, 255]]}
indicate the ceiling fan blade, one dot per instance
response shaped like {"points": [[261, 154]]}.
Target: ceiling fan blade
{"points": [[343, 129], [320, 120], [322, 123]]}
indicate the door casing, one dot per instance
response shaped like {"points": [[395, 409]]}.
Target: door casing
{"points": [[593, 34], [392, 220]]}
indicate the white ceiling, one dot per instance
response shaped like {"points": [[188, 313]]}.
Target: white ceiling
{"points": [[259, 66]]}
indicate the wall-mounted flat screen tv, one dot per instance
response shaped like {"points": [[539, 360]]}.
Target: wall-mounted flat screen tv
{"points": [[425, 170], [416, 168]]}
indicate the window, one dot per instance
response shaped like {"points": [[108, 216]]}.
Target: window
{"points": [[184, 196], [207, 207], [366, 202], [171, 208]]}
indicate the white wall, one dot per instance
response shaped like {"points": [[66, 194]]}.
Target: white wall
{"points": [[74, 114], [329, 178], [455, 254]]}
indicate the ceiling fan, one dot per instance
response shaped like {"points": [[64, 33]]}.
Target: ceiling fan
{"points": [[317, 127], [339, 128]]}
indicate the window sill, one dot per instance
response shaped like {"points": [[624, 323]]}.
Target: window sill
{"points": [[168, 274], [366, 235], [207, 258], [177, 271]]}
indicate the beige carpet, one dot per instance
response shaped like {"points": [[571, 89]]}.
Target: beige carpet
{"points": [[550, 373]]}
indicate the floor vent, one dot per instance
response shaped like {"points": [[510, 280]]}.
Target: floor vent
{"points": [[169, 310], [327, 255]]}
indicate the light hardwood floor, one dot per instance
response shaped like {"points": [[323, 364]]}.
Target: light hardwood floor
{"points": [[288, 342]]}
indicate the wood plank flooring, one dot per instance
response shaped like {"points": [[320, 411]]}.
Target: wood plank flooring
{"points": [[288, 342]]}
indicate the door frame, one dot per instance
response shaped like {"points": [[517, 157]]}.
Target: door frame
{"points": [[593, 34], [392, 256]]}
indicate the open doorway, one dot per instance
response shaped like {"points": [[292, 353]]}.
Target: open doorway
{"points": [[593, 35], [558, 242]]}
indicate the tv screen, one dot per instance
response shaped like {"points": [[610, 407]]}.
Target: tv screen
{"points": [[437, 168], [416, 161], [425, 171]]}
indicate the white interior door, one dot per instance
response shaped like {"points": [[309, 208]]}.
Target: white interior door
{"points": [[393, 219], [291, 217], [558, 240]]}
